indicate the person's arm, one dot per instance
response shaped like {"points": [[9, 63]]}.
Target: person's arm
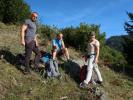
{"points": [[63, 45], [53, 45], [97, 52], [36, 40], [22, 34]]}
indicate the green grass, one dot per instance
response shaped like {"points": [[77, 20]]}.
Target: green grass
{"points": [[118, 86], [14, 85]]}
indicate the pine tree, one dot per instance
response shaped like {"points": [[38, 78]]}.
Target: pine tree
{"points": [[129, 25]]}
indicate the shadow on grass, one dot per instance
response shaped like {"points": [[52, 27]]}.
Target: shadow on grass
{"points": [[7, 55], [72, 68], [17, 60]]}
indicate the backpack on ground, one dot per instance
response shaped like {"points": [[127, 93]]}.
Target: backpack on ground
{"points": [[83, 72], [51, 66]]}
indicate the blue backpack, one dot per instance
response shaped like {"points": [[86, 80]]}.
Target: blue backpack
{"points": [[51, 66], [46, 58]]}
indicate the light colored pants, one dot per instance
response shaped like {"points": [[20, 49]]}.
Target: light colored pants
{"points": [[90, 68]]}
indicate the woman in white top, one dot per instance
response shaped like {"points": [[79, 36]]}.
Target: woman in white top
{"points": [[92, 57]]}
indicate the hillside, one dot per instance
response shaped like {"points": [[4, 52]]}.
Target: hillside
{"points": [[14, 85]]}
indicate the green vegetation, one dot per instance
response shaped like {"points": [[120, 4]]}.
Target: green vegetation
{"points": [[124, 43], [76, 37], [13, 11], [14, 85], [129, 25]]}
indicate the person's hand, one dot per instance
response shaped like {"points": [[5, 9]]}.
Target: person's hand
{"points": [[37, 44], [85, 58], [54, 47], [95, 61], [23, 43]]}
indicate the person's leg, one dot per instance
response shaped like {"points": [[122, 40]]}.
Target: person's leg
{"points": [[98, 72], [89, 70], [28, 52], [66, 53], [37, 56], [54, 53]]}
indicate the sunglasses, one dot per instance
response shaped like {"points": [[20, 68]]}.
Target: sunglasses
{"points": [[35, 17]]}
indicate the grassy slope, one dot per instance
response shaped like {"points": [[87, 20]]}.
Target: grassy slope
{"points": [[16, 86]]}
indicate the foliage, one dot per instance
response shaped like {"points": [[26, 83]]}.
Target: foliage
{"points": [[128, 49], [47, 33], [124, 43], [129, 25], [129, 39], [14, 85], [2, 6], [77, 37], [116, 42], [112, 57], [13, 11]]}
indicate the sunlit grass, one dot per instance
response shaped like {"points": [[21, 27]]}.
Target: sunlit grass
{"points": [[14, 85]]}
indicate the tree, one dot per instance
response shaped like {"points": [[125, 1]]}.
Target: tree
{"points": [[77, 36], [129, 25], [128, 47], [2, 7], [13, 11]]}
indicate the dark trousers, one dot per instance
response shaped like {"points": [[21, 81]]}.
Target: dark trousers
{"points": [[29, 47]]}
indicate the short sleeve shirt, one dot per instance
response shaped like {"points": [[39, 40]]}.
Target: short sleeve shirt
{"points": [[31, 29]]}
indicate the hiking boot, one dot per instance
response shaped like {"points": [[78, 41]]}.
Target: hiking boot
{"points": [[83, 85], [93, 82], [36, 70], [22, 67], [59, 77], [99, 82], [26, 72]]}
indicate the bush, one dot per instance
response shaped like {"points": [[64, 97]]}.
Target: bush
{"points": [[46, 33], [77, 38], [112, 57], [13, 11]]}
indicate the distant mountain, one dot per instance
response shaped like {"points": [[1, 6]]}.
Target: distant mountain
{"points": [[117, 42], [124, 44]]}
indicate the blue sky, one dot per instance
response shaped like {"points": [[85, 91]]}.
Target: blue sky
{"points": [[109, 14]]}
